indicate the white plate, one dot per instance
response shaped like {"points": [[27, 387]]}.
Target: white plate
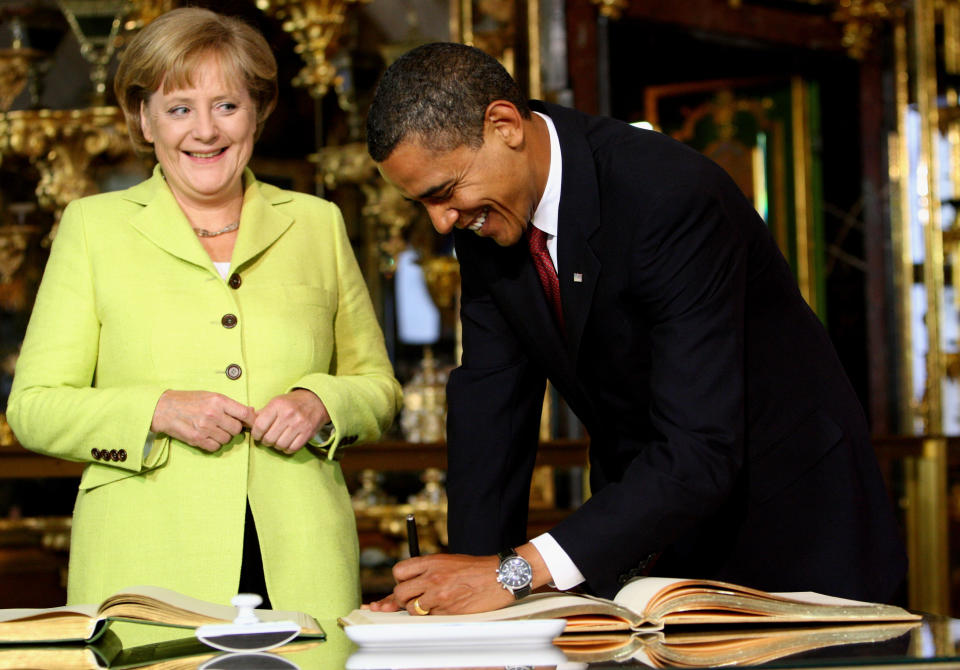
{"points": [[531, 632]]}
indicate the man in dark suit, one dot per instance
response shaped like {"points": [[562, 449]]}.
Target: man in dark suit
{"points": [[726, 440]]}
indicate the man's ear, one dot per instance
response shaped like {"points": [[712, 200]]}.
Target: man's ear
{"points": [[144, 126], [505, 121]]}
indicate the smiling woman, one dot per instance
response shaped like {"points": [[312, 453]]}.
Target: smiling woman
{"points": [[204, 342], [203, 139]]}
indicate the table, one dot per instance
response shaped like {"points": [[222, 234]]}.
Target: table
{"points": [[934, 643]]}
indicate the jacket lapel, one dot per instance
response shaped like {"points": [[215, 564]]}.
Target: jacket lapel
{"points": [[261, 223], [163, 222], [579, 216], [514, 283]]}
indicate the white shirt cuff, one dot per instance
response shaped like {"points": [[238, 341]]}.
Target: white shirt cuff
{"points": [[565, 574], [325, 433], [148, 445]]}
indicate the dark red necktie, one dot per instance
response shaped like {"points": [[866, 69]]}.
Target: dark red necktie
{"points": [[537, 239]]}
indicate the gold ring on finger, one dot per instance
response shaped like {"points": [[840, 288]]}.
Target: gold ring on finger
{"points": [[418, 609]]}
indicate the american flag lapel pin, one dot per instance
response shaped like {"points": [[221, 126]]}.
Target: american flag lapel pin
{"points": [[577, 278]]}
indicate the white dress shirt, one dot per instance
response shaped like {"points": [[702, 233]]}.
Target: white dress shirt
{"points": [[564, 572]]}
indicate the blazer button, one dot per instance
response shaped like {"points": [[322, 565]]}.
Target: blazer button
{"points": [[234, 371], [228, 320], [114, 456], [95, 453], [123, 454], [234, 281]]}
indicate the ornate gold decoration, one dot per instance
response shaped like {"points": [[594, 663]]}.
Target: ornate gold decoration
{"points": [[96, 49], [62, 145], [145, 11], [612, 9], [14, 241], [391, 521], [860, 18], [316, 26], [369, 493], [442, 274], [383, 204], [424, 414], [14, 71], [6, 433]]}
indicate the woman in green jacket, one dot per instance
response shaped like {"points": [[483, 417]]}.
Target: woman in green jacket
{"points": [[206, 344]]}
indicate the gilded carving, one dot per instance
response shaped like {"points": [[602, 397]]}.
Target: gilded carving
{"points": [[315, 26], [62, 144]]}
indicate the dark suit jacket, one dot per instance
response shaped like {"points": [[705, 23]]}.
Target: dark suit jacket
{"points": [[725, 436]]}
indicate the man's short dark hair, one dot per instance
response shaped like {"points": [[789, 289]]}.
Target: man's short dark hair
{"points": [[439, 94]]}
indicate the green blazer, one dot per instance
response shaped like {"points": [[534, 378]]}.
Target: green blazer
{"points": [[131, 305]]}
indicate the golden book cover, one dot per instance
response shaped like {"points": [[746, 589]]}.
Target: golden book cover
{"points": [[717, 647], [149, 605], [651, 603]]}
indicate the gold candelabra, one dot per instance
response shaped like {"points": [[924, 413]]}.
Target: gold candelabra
{"points": [[316, 26]]}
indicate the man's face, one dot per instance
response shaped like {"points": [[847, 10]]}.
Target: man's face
{"points": [[487, 190]]}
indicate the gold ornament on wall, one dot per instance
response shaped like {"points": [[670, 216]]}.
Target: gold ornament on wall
{"points": [[860, 18], [96, 48], [612, 9], [384, 205], [15, 64], [62, 144], [316, 26]]}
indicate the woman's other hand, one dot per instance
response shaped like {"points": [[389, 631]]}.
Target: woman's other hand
{"points": [[289, 420], [200, 418]]}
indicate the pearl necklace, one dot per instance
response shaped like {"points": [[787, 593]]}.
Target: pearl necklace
{"points": [[226, 229]]}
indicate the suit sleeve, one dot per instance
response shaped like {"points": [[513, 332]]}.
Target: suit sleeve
{"points": [[54, 408], [360, 392], [494, 402], [687, 279]]}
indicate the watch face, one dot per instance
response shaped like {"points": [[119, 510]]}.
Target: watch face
{"points": [[515, 573]]}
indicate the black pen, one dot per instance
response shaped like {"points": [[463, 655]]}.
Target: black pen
{"points": [[412, 541]]}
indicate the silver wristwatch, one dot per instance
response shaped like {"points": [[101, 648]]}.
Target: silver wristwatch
{"points": [[514, 573]]}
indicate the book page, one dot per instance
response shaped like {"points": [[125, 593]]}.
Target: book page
{"points": [[820, 599], [702, 601], [52, 624], [638, 593], [88, 611], [159, 605], [581, 613]]}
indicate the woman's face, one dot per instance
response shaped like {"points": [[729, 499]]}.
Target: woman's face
{"points": [[203, 135]]}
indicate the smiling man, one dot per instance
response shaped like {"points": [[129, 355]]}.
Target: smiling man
{"points": [[726, 440]]}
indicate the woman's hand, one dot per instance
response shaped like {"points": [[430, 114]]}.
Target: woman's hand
{"points": [[200, 418], [289, 420]]}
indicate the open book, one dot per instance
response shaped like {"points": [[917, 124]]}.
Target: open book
{"points": [[139, 604], [720, 647], [650, 603]]}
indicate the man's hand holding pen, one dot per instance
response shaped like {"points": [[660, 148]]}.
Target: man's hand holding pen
{"points": [[454, 583]]}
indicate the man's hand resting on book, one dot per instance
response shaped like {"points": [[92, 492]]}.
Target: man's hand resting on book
{"points": [[454, 583]]}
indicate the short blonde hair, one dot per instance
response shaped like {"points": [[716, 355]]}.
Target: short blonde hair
{"points": [[168, 50]]}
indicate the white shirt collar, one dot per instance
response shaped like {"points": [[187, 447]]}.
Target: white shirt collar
{"points": [[548, 210]]}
